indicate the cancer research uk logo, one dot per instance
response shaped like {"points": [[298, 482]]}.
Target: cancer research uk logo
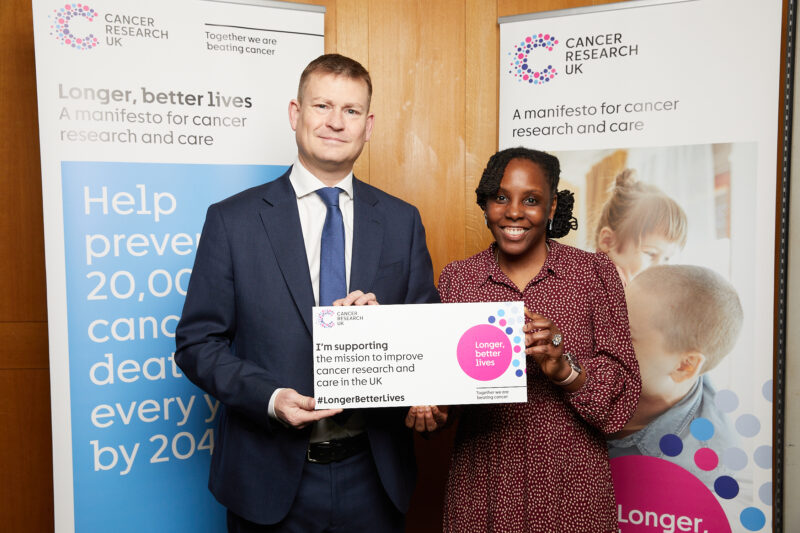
{"points": [[487, 350], [534, 69], [326, 318], [70, 25], [64, 16]]}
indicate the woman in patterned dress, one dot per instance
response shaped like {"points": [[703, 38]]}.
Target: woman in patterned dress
{"points": [[540, 466]]}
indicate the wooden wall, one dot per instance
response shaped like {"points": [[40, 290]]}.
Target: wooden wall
{"points": [[434, 66], [26, 491], [434, 69]]}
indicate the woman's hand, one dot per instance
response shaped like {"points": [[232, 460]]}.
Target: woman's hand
{"points": [[427, 417], [543, 342]]}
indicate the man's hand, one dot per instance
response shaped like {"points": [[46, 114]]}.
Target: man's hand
{"points": [[297, 410], [357, 298]]}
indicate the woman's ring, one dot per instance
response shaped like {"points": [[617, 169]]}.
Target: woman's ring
{"points": [[556, 339]]}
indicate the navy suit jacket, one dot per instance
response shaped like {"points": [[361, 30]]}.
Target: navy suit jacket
{"points": [[246, 330]]}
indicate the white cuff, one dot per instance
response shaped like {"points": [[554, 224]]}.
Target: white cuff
{"points": [[271, 406]]}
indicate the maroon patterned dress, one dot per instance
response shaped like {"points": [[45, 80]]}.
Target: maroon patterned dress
{"points": [[542, 466]]}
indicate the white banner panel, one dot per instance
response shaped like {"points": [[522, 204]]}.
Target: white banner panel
{"points": [[149, 111], [685, 94]]}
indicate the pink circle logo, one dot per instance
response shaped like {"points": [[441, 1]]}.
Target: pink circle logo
{"points": [[484, 352], [674, 499]]}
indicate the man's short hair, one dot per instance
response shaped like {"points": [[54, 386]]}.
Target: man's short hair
{"points": [[338, 65], [695, 309]]}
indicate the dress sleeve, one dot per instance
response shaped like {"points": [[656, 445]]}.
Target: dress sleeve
{"points": [[613, 383]]}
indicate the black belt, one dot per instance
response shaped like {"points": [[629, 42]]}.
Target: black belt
{"points": [[330, 451]]}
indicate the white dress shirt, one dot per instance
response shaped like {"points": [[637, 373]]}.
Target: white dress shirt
{"points": [[312, 218]]}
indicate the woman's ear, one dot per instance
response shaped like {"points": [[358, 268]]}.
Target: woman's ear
{"points": [[553, 205], [606, 239]]}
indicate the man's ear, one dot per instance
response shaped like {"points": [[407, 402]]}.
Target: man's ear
{"points": [[690, 367], [294, 112], [606, 239], [368, 129]]}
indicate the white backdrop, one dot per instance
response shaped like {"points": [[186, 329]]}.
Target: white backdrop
{"points": [[687, 92], [149, 111]]}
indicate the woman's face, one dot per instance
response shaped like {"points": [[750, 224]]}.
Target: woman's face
{"points": [[654, 249], [517, 215]]}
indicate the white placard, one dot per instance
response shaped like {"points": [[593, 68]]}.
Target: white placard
{"points": [[419, 354]]}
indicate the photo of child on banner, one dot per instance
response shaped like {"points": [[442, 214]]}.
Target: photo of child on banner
{"points": [[684, 320], [639, 226], [663, 216]]}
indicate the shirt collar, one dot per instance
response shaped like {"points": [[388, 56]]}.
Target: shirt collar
{"points": [[672, 421], [488, 265], [554, 264], [305, 183]]}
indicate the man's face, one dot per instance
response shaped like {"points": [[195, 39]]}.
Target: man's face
{"points": [[331, 124]]}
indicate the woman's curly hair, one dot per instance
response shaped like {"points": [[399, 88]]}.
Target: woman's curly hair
{"points": [[563, 221]]}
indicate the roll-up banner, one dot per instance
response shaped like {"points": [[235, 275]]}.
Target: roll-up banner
{"points": [[149, 111], [664, 116]]}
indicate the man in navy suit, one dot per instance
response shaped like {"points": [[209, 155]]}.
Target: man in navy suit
{"points": [[245, 333]]}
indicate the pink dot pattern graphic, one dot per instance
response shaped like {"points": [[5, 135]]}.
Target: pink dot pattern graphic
{"points": [[486, 351], [706, 459], [60, 26], [726, 487], [522, 68]]}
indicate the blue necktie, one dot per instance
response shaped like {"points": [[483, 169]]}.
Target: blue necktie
{"points": [[332, 276]]}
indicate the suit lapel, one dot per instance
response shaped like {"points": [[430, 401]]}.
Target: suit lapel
{"points": [[281, 221], [367, 237]]}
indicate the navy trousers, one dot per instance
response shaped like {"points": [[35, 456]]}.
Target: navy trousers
{"points": [[342, 497]]}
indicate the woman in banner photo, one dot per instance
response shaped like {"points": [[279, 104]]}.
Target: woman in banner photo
{"points": [[540, 465], [639, 226]]}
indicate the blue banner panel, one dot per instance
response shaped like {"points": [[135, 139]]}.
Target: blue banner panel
{"points": [[142, 434]]}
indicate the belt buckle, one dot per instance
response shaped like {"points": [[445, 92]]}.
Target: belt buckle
{"points": [[308, 456], [308, 453]]}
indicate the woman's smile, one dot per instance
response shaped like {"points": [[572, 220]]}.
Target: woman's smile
{"points": [[514, 232]]}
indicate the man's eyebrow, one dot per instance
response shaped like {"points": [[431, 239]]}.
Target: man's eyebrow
{"points": [[325, 100]]}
